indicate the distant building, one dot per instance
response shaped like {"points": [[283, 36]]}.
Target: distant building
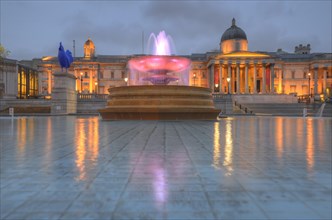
{"points": [[17, 80], [233, 69]]}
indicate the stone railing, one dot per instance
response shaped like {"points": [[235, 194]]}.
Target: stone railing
{"points": [[91, 97]]}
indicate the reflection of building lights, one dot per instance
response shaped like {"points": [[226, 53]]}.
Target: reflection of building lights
{"points": [[279, 135], [310, 146], [228, 160], [87, 149], [216, 146]]}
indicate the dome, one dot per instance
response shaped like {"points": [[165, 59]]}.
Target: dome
{"points": [[234, 32], [88, 42]]}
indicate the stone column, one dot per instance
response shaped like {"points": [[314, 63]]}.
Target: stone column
{"points": [[272, 78], [229, 84], [64, 98], [255, 79], [324, 80], [220, 78], [316, 95], [237, 78], [90, 81], [49, 82], [212, 77], [246, 78], [264, 79]]}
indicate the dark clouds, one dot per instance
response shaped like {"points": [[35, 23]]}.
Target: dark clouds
{"points": [[196, 26]]}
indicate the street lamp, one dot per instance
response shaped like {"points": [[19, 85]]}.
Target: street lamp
{"points": [[228, 80], [81, 82], [126, 80], [96, 87], [309, 74], [194, 78], [216, 87]]}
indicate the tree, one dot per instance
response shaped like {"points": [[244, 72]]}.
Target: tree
{"points": [[3, 52]]}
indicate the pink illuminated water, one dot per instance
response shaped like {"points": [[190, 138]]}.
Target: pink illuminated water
{"points": [[162, 44], [161, 68]]}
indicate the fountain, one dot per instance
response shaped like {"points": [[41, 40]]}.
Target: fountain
{"points": [[158, 89]]}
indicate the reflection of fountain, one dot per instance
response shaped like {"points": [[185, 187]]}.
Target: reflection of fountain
{"points": [[158, 89]]}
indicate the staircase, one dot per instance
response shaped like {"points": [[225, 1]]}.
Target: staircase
{"points": [[289, 109]]}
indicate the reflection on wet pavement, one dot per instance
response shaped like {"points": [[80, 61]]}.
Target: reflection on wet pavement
{"points": [[245, 167]]}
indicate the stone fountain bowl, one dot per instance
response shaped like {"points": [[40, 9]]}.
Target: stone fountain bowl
{"points": [[159, 102]]}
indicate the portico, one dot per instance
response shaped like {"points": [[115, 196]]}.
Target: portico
{"points": [[249, 73]]}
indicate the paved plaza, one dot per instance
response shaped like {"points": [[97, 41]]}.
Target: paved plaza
{"points": [[71, 167]]}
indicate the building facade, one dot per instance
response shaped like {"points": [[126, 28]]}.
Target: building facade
{"points": [[17, 80], [233, 70]]}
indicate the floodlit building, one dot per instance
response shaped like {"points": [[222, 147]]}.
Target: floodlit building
{"points": [[234, 69], [17, 80]]}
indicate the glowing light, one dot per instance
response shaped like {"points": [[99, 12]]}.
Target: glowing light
{"points": [[310, 146], [216, 146], [228, 159], [243, 54]]}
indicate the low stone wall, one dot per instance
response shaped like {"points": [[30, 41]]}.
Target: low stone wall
{"points": [[90, 106], [265, 98]]}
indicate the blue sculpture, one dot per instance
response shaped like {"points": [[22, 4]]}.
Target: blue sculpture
{"points": [[65, 57]]}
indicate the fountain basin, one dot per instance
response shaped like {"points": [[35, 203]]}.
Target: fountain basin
{"points": [[159, 102]]}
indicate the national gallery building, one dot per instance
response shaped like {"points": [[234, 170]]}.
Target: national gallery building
{"points": [[232, 70]]}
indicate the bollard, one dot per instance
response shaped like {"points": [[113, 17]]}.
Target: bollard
{"points": [[11, 112], [305, 112]]}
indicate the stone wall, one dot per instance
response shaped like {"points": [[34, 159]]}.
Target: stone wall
{"points": [[265, 98]]}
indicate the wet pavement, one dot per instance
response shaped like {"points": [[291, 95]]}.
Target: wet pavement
{"points": [[235, 168]]}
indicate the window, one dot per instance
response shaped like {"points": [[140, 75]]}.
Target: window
{"points": [[122, 74], [203, 75], [112, 75], [237, 46], [304, 75], [293, 74], [86, 75], [293, 89]]}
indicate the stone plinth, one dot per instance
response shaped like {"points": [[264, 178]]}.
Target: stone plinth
{"points": [[159, 103], [64, 98]]}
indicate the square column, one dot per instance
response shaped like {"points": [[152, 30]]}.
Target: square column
{"points": [[220, 78], [229, 89], [212, 77], [255, 79], [264, 79], [272, 78], [316, 96], [246, 78], [237, 78], [324, 80]]}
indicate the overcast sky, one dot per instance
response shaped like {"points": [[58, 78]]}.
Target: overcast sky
{"points": [[33, 29]]}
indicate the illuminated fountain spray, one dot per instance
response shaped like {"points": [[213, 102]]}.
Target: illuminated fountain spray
{"points": [[161, 44], [161, 68]]}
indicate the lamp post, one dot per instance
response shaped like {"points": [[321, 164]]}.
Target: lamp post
{"points": [[309, 74], [81, 82], [126, 80], [194, 79], [216, 87], [228, 80], [96, 87]]}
